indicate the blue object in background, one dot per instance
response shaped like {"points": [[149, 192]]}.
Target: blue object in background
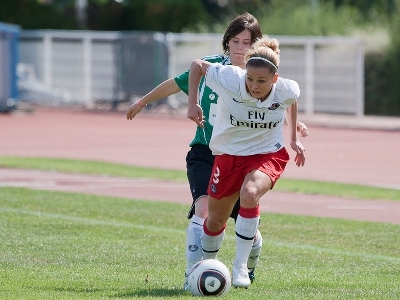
{"points": [[9, 39]]}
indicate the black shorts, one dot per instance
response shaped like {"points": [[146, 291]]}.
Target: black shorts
{"points": [[199, 163]]}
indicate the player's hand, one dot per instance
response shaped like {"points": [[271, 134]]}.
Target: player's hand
{"points": [[195, 113], [300, 158], [302, 129], [133, 110]]}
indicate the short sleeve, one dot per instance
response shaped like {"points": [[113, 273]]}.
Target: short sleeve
{"points": [[183, 81], [223, 77], [295, 89]]}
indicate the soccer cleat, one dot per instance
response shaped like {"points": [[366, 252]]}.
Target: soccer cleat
{"points": [[252, 276], [240, 275], [185, 283]]}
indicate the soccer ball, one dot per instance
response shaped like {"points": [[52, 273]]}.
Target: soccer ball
{"points": [[209, 277]]}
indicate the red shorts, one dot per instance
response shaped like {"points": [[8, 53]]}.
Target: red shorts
{"points": [[229, 171]]}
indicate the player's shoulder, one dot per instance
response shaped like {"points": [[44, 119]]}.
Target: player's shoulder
{"points": [[227, 72], [218, 58], [288, 87]]}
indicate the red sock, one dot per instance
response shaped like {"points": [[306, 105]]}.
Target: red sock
{"points": [[210, 233], [249, 213]]}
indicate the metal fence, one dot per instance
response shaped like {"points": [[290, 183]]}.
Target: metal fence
{"points": [[142, 63], [80, 65], [329, 70], [110, 66], [8, 62]]}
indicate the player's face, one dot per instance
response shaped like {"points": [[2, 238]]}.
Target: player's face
{"points": [[259, 82], [238, 46]]}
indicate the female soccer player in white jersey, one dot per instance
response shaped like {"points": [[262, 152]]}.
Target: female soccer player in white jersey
{"points": [[239, 36], [247, 142]]}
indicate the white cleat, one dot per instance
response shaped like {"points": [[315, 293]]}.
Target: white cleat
{"points": [[240, 274]]}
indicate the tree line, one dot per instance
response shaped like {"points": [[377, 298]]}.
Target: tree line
{"points": [[158, 15], [378, 21]]}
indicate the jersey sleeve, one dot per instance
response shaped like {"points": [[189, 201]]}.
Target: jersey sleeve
{"points": [[182, 80], [222, 77], [295, 89], [289, 92]]}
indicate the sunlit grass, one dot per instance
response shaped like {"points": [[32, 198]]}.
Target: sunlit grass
{"points": [[72, 246]]}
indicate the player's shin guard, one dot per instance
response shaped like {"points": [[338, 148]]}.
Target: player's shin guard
{"points": [[193, 242], [255, 251], [246, 228], [211, 242]]}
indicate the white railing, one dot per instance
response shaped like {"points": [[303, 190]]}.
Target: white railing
{"points": [[329, 70], [81, 63]]}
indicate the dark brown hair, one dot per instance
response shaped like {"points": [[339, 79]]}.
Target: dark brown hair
{"points": [[240, 23]]}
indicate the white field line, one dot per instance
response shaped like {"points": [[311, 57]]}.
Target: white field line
{"points": [[182, 232]]}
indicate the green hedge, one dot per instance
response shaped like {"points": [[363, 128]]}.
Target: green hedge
{"points": [[382, 76], [382, 84]]}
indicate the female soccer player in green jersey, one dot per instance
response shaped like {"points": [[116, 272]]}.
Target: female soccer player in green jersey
{"points": [[240, 35]]}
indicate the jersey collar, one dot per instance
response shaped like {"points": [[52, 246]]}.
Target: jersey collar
{"points": [[226, 60]]}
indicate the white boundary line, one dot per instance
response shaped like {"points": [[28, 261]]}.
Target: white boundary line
{"points": [[176, 231]]}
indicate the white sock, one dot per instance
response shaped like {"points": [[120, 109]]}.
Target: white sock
{"points": [[211, 244], [245, 231], [255, 252], [193, 242]]}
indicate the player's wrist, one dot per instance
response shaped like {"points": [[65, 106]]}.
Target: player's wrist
{"points": [[140, 104]]}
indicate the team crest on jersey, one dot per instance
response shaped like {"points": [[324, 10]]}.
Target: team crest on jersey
{"points": [[274, 106], [213, 188]]}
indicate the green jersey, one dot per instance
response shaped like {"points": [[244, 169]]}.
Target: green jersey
{"points": [[207, 100]]}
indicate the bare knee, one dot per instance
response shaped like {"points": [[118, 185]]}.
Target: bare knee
{"points": [[219, 212], [248, 197], [255, 185], [215, 223]]}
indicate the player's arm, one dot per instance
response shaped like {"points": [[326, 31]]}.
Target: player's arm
{"points": [[198, 68], [163, 90], [301, 127], [291, 116]]}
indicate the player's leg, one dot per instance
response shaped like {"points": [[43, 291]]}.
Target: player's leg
{"points": [[199, 161], [255, 184], [255, 252], [193, 232], [214, 226], [254, 256]]}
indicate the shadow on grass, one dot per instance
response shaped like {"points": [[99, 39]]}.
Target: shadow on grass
{"points": [[152, 292], [161, 292]]}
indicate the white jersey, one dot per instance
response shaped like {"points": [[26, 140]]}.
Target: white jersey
{"points": [[245, 125]]}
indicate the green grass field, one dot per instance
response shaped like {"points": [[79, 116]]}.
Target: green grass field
{"points": [[58, 245], [112, 169], [71, 246]]}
